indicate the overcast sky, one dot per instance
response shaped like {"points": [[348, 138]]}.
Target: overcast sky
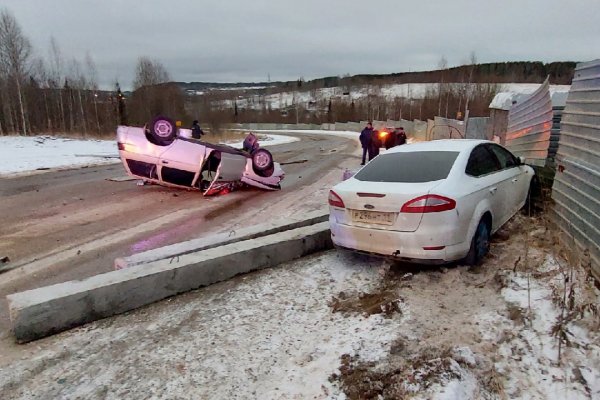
{"points": [[248, 40]]}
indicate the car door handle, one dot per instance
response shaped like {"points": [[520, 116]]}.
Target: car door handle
{"points": [[165, 162], [493, 190], [515, 180]]}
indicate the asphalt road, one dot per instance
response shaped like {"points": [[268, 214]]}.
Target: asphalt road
{"points": [[72, 224]]}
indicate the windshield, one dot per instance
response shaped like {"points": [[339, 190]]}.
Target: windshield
{"points": [[409, 167]]}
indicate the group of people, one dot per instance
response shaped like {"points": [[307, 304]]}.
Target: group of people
{"points": [[372, 140]]}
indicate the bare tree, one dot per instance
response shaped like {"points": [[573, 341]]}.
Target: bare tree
{"points": [[442, 65], [153, 94], [92, 74], [79, 84], [56, 77], [473, 62], [15, 50], [149, 73]]}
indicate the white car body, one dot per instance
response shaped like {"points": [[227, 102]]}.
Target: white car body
{"points": [[374, 217], [182, 162]]}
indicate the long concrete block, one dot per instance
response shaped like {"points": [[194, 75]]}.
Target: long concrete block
{"points": [[41, 312], [221, 239]]}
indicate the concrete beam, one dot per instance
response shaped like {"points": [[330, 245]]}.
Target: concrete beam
{"points": [[41, 312], [220, 239]]}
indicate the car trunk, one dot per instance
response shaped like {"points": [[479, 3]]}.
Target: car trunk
{"points": [[377, 205]]}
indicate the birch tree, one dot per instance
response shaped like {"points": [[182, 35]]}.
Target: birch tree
{"points": [[15, 50]]}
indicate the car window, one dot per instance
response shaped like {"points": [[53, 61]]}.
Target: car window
{"points": [[505, 157], [409, 167], [482, 162]]}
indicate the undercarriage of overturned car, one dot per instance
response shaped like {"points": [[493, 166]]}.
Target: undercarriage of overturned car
{"points": [[163, 154]]}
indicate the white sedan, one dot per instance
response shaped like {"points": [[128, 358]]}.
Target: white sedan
{"points": [[430, 202]]}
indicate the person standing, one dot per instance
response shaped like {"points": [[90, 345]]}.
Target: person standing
{"points": [[400, 137], [365, 141], [196, 130], [375, 144]]}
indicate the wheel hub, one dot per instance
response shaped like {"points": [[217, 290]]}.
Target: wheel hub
{"points": [[163, 128], [262, 160]]}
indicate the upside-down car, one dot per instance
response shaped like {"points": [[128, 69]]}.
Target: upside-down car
{"points": [[164, 154]]}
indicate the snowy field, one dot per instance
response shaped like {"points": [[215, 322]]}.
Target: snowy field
{"points": [[391, 91], [29, 153], [24, 154]]}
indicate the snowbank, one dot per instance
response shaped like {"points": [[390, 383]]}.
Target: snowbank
{"points": [[27, 153], [266, 140]]}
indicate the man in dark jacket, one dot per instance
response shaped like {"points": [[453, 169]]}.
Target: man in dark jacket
{"points": [[365, 141], [400, 136], [196, 130]]}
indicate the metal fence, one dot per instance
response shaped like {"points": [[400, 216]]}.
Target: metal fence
{"points": [[576, 189], [557, 113], [529, 126]]}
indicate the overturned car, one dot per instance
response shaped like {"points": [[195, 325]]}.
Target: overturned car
{"points": [[164, 154]]}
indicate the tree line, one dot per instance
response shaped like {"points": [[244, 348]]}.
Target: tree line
{"points": [[53, 95]]}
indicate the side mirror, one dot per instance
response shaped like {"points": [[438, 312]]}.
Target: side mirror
{"points": [[521, 160]]}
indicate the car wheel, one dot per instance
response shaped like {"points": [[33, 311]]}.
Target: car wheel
{"points": [[262, 162], [163, 130], [480, 244]]}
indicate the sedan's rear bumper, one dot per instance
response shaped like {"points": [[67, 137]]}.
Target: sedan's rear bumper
{"points": [[404, 246]]}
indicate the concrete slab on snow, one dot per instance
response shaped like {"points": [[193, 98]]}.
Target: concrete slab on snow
{"points": [[40, 312], [220, 239]]}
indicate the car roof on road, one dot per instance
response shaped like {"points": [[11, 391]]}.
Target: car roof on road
{"points": [[439, 145]]}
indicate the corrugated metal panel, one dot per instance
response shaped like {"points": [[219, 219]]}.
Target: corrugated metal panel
{"points": [[554, 135], [576, 190], [529, 126]]}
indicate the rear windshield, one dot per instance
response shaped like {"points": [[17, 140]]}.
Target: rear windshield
{"points": [[409, 167]]}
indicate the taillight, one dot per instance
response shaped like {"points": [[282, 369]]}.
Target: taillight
{"points": [[335, 200], [428, 204]]}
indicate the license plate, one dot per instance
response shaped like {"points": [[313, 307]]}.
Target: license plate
{"points": [[373, 217]]}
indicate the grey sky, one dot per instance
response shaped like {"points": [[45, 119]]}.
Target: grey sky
{"points": [[245, 40]]}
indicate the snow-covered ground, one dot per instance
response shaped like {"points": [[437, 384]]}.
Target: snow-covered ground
{"points": [[24, 154], [341, 326], [266, 140], [29, 153]]}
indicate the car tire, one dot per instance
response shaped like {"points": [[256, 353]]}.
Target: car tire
{"points": [[163, 130], [480, 244], [262, 163]]}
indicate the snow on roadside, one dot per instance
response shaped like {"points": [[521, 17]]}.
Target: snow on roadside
{"points": [[346, 134], [24, 154], [266, 335], [266, 140], [29, 153], [528, 353]]}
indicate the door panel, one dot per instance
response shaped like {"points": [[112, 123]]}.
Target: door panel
{"points": [[231, 168], [512, 178], [183, 155]]}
